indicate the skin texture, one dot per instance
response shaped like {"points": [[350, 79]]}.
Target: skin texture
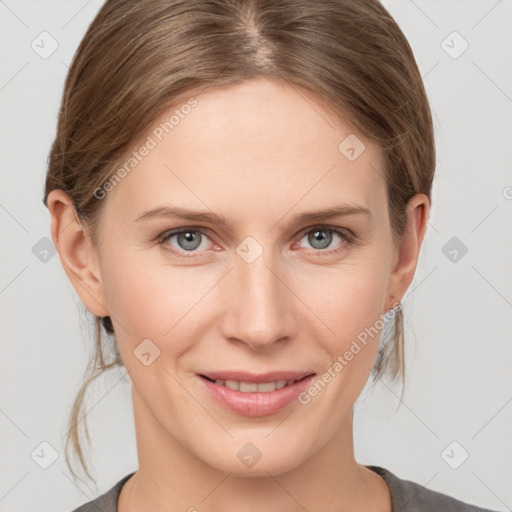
{"points": [[257, 153]]}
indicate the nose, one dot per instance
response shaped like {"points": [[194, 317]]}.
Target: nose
{"points": [[259, 310]]}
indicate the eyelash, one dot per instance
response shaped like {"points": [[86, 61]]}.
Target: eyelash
{"points": [[348, 239]]}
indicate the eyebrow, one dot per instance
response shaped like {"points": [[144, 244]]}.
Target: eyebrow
{"points": [[213, 218]]}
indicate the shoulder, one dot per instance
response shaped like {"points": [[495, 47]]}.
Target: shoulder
{"points": [[106, 502], [413, 497]]}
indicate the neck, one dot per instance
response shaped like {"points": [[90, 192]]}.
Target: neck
{"points": [[170, 477]]}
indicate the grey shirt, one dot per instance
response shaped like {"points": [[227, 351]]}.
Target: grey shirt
{"points": [[406, 496]]}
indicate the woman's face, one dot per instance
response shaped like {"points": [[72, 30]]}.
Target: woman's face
{"points": [[269, 295]]}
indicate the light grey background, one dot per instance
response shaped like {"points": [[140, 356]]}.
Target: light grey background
{"points": [[458, 313]]}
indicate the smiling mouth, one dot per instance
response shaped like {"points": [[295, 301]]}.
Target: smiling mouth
{"points": [[254, 387]]}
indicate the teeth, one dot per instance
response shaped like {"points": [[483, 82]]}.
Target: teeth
{"points": [[252, 387], [248, 387], [232, 384], [266, 386]]}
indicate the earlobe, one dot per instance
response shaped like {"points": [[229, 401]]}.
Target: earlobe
{"points": [[76, 251], [407, 259]]}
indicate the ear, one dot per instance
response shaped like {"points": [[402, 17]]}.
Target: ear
{"points": [[407, 255], [77, 254]]}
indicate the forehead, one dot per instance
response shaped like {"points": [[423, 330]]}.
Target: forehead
{"points": [[261, 144]]}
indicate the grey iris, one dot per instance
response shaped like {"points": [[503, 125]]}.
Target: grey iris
{"points": [[323, 237]]}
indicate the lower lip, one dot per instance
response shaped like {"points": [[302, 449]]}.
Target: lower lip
{"points": [[256, 403]]}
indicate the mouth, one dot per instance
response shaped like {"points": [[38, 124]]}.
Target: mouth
{"points": [[255, 394], [255, 387]]}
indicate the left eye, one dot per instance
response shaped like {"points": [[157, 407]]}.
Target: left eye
{"points": [[321, 237]]}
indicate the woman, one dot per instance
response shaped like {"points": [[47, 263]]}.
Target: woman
{"points": [[239, 192]]}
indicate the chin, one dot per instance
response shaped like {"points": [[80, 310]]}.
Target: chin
{"points": [[245, 459]]}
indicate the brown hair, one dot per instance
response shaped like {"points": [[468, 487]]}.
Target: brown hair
{"points": [[138, 57]]}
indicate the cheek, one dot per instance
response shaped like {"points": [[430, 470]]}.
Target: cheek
{"points": [[150, 299], [348, 299], [350, 302]]}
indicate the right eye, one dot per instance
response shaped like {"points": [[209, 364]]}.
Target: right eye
{"points": [[187, 240]]}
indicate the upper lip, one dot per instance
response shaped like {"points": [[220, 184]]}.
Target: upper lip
{"points": [[241, 376]]}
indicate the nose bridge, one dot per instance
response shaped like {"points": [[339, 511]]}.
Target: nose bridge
{"points": [[259, 310]]}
